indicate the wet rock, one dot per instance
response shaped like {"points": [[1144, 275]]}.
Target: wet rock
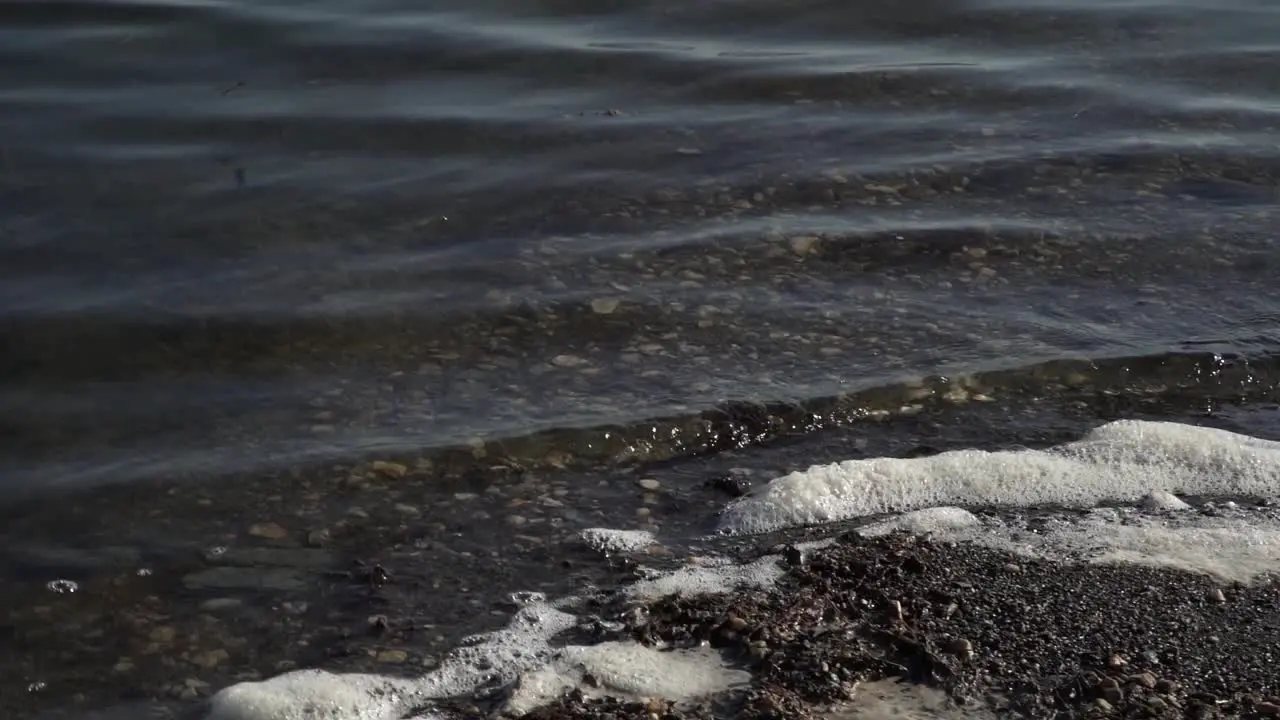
{"points": [[604, 306], [1144, 679], [803, 244], [732, 484], [649, 484], [318, 538], [392, 656], [1161, 501], [568, 361], [393, 470], [1108, 689], [216, 605], [960, 647], [210, 659], [268, 531]]}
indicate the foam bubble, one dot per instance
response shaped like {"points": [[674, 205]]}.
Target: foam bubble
{"points": [[1120, 461], [940, 520], [617, 541], [1232, 549], [317, 695], [708, 577], [628, 671], [314, 695]]}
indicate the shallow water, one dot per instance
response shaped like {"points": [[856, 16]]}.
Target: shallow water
{"points": [[528, 253], [241, 234]]}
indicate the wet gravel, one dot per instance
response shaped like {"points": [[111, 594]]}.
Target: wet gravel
{"points": [[1022, 637]]}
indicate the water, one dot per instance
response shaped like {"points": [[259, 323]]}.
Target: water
{"points": [[248, 247]]}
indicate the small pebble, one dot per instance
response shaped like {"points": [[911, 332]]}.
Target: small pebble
{"points": [[604, 306], [392, 656], [268, 530]]}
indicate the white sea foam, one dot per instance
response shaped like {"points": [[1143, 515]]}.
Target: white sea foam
{"points": [[1138, 462], [708, 576], [1232, 549], [317, 695], [1120, 461], [617, 541], [629, 671]]}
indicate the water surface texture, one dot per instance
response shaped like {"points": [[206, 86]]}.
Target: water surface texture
{"points": [[239, 235]]}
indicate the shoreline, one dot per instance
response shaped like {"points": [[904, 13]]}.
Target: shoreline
{"points": [[992, 630]]}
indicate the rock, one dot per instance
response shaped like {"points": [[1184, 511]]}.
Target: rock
{"points": [[269, 531], [568, 361], [735, 484], [318, 538], [390, 469], [211, 658], [221, 604], [960, 647], [1145, 679], [1267, 709], [803, 244], [392, 656], [604, 306], [1216, 595], [1159, 500], [163, 634], [1109, 690], [649, 484]]}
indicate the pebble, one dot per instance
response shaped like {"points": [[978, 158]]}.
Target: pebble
{"points": [[1145, 679], [803, 244], [1216, 595], [604, 306], [1161, 500], [221, 604], [211, 658], [649, 484], [568, 361], [268, 530], [318, 538], [961, 648], [390, 469], [392, 656]]}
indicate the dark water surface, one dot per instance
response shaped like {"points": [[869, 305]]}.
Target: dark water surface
{"points": [[267, 241], [238, 234]]}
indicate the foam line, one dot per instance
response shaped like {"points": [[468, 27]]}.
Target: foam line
{"points": [[1118, 462]]}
